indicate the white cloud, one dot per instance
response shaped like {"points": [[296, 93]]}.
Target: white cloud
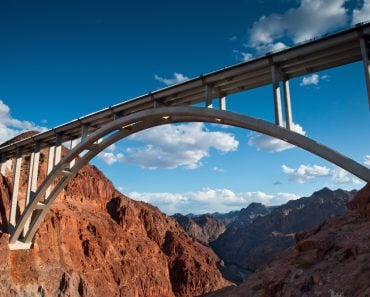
{"points": [[305, 173], [177, 78], [218, 169], [246, 56], [209, 200], [310, 80], [313, 79], [367, 160], [265, 142], [312, 18], [341, 176], [110, 158], [11, 127], [362, 14], [173, 146]]}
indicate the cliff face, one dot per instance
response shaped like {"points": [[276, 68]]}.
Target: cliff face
{"points": [[204, 228], [244, 248], [97, 242], [330, 260]]}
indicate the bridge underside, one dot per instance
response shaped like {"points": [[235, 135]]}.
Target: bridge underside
{"points": [[39, 199]]}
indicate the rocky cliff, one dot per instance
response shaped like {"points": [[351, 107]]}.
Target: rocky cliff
{"points": [[204, 228], [330, 260], [97, 242], [244, 248]]}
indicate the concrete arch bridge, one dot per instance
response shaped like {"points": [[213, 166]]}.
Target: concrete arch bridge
{"points": [[95, 132]]}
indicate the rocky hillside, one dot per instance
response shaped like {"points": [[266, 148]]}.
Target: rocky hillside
{"points": [[97, 242], [244, 248], [204, 228], [330, 260]]}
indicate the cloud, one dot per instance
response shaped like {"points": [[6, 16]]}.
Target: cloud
{"points": [[173, 146], [305, 173], [218, 169], [313, 79], [362, 14], [312, 18], [177, 78], [11, 127], [367, 160], [209, 200], [271, 144], [341, 176], [246, 56]]}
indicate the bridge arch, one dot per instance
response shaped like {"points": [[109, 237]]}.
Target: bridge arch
{"points": [[133, 123]]}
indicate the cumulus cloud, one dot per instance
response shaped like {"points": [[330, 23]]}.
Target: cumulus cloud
{"points": [[11, 127], [305, 173], [312, 18], [271, 144], [173, 146], [367, 160], [313, 79], [341, 176], [177, 78], [209, 200], [362, 14]]}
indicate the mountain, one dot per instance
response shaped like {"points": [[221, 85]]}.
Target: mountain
{"points": [[204, 228], [330, 260], [208, 227], [97, 242], [244, 248]]}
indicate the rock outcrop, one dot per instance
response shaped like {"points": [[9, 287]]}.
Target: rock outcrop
{"points": [[330, 260], [97, 242], [244, 248], [204, 228]]}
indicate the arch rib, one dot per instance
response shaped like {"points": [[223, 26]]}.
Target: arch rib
{"points": [[133, 123]]}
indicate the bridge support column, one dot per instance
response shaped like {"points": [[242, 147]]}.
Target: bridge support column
{"points": [[365, 59], [51, 156], [32, 181], [14, 202], [58, 149], [74, 142], [208, 96], [287, 105], [277, 96], [3, 164], [223, 103]]}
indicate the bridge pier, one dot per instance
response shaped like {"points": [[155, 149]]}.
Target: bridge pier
{"points": [[14, 202], [208, 96], [364, 43], [3, 164], [51, 156], [32, 181], [277, 96], [223, 103], [287, 105]]}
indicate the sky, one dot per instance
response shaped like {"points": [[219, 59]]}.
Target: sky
{"points": [[60, 60]]}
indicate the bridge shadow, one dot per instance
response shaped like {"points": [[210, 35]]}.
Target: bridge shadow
{"points": [[4, 220]]}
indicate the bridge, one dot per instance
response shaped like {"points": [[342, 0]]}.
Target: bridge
{"points": [[89, 135]]}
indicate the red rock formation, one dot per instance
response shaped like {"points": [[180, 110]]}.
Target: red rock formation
{"points": [[331, 260], [97, 242]]}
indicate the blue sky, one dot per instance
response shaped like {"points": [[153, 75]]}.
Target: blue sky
{"points": [[60, 60]]}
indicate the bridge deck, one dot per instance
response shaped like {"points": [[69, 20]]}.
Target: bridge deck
{"points": [[320, 54]]}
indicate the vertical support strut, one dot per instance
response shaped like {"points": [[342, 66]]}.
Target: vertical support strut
{"points": [[85, 132], [223, 103], [51, 156], [58, 149], [277, 97], [3, 164], [366, 63], [32, 181], [208, 96], [287, 103], [74, 142], [14, 202]]}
